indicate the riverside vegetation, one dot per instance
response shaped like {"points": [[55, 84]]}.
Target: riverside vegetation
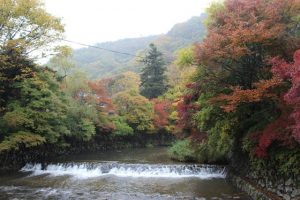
{"points": [[232, 97]]}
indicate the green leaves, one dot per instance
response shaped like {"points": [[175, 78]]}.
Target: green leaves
{"points": [[26, 25], [182, 151], [62, 61], [153, 78], [81, 120], [121, 127], [21, 138], [137, 110], [185, 57], [87, 129]]}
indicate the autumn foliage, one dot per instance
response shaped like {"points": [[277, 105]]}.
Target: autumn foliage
{"points": [[247, 83], [245, 26], [285, 129], [262, 90], [291, 73], [186, 106], [161, 113], [100, 96]]}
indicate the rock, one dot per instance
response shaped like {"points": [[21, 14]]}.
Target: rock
{"points": [[278, 193], [289, 182], [296, 192], [286, 197], [289, 189], [280, 187]]}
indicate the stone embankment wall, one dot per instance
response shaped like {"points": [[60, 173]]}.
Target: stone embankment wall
{"points": [[267, 186]]}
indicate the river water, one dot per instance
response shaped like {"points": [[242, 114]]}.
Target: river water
{"points": [[127, 174]]}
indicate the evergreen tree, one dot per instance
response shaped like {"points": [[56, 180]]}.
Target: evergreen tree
{"points": [[153, 78]]}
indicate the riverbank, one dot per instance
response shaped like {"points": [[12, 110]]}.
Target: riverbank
{"points": [[111, 150], [140, 173], [14, 160], [265, 187], [253, 190]]}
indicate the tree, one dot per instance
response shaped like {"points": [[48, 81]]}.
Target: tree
{"points": [[243, 34], [24, 24], [234, 98], [127, 81], [100, 96], [14, 69], [37, 112], [290, 72], [77, 86], [89, 106], [24, 27], [153, 78], [161, 113], [62, 61], [137, 110], [121, 127]]}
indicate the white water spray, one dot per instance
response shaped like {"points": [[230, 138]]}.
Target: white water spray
{"points": [[90, 170]]}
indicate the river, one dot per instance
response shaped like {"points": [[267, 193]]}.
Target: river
{"points": [[126, 174]]}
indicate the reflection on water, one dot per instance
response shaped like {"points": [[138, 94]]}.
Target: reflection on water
{"points": [[118, 175]]}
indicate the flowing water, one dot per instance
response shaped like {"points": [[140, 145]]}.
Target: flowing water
{"points": [[127, 174]]}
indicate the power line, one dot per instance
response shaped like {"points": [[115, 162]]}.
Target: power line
{"points": [[104, 49], [101, 48], [113, 51], [92, 46]]}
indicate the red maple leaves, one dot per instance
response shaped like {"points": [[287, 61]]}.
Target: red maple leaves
{"points": [[291, 73], [162, 112]]}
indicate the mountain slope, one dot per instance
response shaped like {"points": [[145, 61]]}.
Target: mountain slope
{"points": [[99, 63]]}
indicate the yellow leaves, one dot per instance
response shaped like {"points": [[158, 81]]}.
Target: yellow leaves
{"points": [[25, 139], [14, 119], [185, 57], [137, 110], [26, 24], [215, 7], [64, 51], [127, 81]]}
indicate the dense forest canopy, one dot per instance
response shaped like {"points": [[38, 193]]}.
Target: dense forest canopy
{"points": [[238, 102]]}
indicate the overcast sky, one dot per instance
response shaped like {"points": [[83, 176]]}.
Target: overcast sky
{"points": [[93, 21]]}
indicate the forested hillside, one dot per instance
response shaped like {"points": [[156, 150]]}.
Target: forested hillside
{"points": [[99, 63]]}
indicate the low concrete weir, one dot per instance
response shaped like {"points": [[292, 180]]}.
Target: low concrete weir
{"points": [[89, 170]]}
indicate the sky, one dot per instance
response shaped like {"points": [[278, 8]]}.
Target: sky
{"points": [[95, 21]]}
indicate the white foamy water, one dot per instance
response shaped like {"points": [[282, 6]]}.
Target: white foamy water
{"points": [[89, 170]]}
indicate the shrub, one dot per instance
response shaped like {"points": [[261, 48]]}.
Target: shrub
{"points": [[182, 151], [121, 127], [21, 138]]}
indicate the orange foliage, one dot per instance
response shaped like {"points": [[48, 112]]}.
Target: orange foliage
{"points": [[245, 22], [100, 96], [263, 90]]}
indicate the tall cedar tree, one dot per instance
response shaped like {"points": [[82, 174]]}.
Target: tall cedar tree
{"points": [[153, 78]]}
